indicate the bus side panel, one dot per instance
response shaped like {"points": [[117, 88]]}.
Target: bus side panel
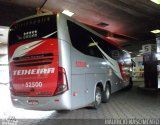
{"points": [[78, 78], [65, 55], [116, 82], [95, 73]]}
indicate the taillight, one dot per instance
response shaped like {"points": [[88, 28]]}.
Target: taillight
{"points": [[62, 83]]}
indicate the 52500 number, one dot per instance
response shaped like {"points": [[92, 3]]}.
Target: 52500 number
{"points": [[33, 84]]}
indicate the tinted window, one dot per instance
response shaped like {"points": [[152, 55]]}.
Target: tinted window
{"points": [[110, 49], [37, 27], [85, 42], [81, 40]]}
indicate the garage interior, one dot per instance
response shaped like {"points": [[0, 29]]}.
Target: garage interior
{"points": [[126, 22]]}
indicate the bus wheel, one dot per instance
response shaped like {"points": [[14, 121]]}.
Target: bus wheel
{"points": [[106, 94], [98, 98]]}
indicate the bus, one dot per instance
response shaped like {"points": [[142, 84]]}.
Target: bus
{"points": [[57, 63]]}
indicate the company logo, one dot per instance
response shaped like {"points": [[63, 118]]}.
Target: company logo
{"points": [[81, 64], [33, 71], [30, 34]]}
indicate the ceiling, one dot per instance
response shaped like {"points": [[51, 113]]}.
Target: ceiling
{"points": [[129, 21]]}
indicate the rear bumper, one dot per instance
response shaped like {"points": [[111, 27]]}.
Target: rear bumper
{"points": [[60, 102]]}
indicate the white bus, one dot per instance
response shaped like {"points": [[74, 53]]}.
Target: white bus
{"points": [[57, 63]]}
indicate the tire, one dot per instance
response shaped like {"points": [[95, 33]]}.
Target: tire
{"points": [[106, 94], [98, 98]]}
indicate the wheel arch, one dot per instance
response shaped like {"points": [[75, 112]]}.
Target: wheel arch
{"points": [[100, 85], [108, 83]]}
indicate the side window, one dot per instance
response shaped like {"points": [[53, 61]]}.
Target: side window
{"points": [[110, 49], [115, 54], [81, 40], [94, 51], [104, 45], [78, 37]]}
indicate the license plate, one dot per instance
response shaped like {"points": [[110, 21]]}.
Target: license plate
{"points": [[32, 102]]}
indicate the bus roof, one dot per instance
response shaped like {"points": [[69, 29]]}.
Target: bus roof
{"points": [[75, 21]]}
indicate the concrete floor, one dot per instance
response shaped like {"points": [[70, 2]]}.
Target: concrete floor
{"points": [[124, 105]]}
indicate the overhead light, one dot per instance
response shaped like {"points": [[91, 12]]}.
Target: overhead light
{"points": [[68, 13], [138, 55], [155, 31], [156, 1], [130, 52]]}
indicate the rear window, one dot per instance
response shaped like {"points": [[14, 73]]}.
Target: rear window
{"points": [[33, 28]]}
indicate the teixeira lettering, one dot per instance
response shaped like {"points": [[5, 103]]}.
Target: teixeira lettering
{"points": [[33, 71]]}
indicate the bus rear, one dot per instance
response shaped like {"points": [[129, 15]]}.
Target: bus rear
{"points": [[36, 78]]}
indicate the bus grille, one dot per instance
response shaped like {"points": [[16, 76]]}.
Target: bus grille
{"points": [[33, 60]]}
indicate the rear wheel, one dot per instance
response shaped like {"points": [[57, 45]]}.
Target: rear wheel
{"points": [[106, 94], [98, 98]]}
